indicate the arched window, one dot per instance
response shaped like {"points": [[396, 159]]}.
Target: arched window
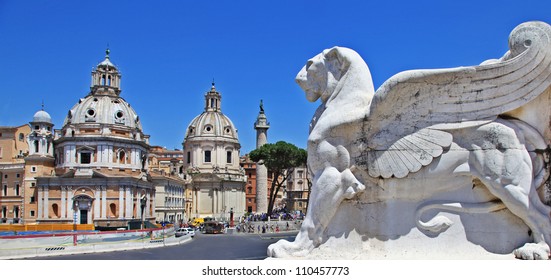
{"points": [[109, 80], [21, 136], [113, 209], [103, 80], [55, 210], [122, 156]]}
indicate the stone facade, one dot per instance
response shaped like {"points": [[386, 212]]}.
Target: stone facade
{"points": [[297, 190], [14, 208]]}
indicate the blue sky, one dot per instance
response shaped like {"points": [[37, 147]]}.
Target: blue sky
{"points": [[170, 51]]}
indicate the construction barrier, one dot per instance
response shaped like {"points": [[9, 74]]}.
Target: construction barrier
{"points": [[46, 227]]}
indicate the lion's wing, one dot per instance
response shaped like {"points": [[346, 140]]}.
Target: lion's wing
{"points": [[400, 136]]}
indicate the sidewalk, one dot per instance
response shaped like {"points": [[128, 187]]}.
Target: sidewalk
{"points": [[65, 245]]}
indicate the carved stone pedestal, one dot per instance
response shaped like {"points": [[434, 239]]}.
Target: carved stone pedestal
{"points": [[359, 231]]}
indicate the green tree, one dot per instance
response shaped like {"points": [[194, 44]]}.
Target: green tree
{"points": [[280, 159]]}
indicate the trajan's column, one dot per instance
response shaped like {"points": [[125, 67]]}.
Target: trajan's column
{"points": [[261, 126]]}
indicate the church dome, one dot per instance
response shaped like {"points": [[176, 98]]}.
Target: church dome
{"points": [[42, 116], [103, 109], [212, 123]]}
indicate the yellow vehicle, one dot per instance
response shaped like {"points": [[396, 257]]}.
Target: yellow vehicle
{"points": [[197, 222]]}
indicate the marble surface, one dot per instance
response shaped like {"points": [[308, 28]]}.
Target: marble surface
{"points": [[443, 163]]}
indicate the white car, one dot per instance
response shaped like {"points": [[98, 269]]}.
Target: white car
{"points": [[184, 231]]}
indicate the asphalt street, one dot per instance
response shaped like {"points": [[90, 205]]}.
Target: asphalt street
{"points": [[202, 247]]}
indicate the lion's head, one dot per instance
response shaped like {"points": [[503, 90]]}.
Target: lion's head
{"points": [[321, 75]]}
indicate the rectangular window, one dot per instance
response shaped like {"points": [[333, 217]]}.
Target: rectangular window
{"points": [[32, 199], [207, 156], [32, 213], [228, 156], [33, 168], [33, 184], [17, 175], [16, 189], [85, 158], [188, 157], [5, 176]]}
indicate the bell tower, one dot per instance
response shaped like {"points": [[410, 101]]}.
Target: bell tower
{"points": [[41, 138]]}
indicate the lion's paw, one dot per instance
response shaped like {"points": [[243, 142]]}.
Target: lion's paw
{"points": [[532, 251], [286, 249]]}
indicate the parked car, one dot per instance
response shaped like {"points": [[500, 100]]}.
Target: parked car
{"points": [[190, 231], [184, 231]]}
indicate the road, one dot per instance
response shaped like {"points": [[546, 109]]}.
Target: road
{"points": [[202, 247]]}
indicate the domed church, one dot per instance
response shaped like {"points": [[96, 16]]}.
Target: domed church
{"points": [[100, 160], [211, 151]]}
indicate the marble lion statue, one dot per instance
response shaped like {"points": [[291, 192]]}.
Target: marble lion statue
{"points": [[486, 125]]}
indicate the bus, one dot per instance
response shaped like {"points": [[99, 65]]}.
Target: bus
{"points": [[213, 227]]}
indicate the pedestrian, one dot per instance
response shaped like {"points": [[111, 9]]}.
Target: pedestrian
{"points": [[277, 228]]}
